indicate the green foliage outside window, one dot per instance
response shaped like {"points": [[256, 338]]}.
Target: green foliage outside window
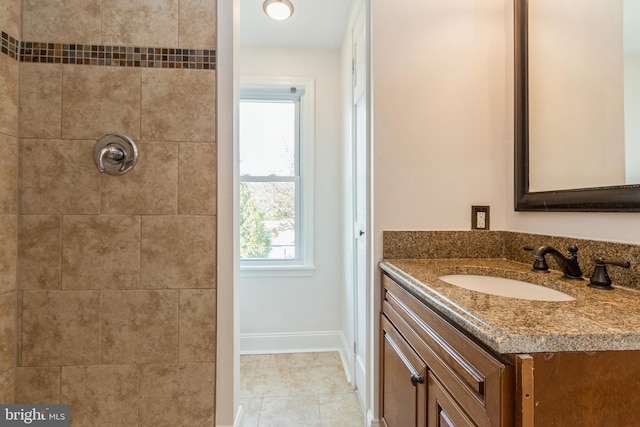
{"points": [[255, 238]]}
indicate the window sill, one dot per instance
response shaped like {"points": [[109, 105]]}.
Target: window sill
{"points": [[277, 271]]}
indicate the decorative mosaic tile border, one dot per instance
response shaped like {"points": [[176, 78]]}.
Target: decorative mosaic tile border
{"points": [[9, 46], [119, 56], [114, 56]]}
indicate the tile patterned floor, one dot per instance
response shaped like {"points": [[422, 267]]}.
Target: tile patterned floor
{"points": [[297, 390]]}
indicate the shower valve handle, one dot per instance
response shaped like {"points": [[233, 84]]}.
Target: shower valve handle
{"points": [[113, 153]]}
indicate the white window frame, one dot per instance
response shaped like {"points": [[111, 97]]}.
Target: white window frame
{"points": [[303, 264]]}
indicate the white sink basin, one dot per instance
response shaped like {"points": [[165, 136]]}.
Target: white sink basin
{"points": [[505, 287]]}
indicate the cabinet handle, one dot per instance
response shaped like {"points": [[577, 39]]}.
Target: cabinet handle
{"points": [[416, 379]]}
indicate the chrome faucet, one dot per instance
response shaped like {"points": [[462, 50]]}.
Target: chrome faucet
{"points": [[569, 266]]}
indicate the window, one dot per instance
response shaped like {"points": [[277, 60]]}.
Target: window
{"points": [[276, 170]]}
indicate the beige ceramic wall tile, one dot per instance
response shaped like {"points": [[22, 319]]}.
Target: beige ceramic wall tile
{"points": [[8, 253], [198, 24], [99, 100], [101, 252], [197, 183], [19, 328], [178, 252], [152, 23], [7, 386], [197, 325], [7, 330], [177, 395], [151, 188], [60, 328], [8, 95], [10, 17], [139, 327], [59, 176], [101, 395], [61, 21], [178, 105], [41, 385], [40, 100], [40, 252], [8, 174]]}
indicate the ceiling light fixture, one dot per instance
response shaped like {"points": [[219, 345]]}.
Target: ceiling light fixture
{"points": [[278, 9]]}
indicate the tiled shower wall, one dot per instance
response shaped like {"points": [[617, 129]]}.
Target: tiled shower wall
{"points": [[9, 24], [117, 304]]}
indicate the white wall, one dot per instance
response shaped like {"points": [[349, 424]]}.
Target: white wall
{"points": [[304, 305], [439, 113]]}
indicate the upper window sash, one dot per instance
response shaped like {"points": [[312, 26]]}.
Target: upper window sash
{"points": [[280, 96]]}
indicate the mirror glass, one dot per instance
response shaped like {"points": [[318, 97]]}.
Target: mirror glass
{"points": [[583, 93]]}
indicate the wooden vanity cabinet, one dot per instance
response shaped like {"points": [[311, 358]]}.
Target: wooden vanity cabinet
{"points": [[463, 384], [434, 375]]}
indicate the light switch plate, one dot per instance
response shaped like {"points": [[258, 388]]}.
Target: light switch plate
{"points": [[479, 217]]}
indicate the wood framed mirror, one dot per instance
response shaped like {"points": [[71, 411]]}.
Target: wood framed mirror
{"points": [[591, 198]]}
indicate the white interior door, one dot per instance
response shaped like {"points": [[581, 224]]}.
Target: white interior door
{"points": [[361, 279]]}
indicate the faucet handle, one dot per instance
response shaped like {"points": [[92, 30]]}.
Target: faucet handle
{"points": [[600, 279], [573, 250], [540, 264]]}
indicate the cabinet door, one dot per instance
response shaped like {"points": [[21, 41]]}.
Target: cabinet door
{"points": [[403, 382], [442, 409]]}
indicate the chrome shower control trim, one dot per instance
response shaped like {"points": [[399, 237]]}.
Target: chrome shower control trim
{"points": [[115, 154]]}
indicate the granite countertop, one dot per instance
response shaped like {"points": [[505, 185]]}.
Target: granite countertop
{"points": [[596, 321]]}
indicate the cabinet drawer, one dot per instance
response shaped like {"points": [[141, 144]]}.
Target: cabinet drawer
{"points": [[478, 380]]}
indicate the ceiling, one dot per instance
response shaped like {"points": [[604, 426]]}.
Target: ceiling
{"points": [[314, 23]]}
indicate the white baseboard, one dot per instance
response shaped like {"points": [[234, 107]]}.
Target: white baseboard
{"points": [[291, 342], [371, 421]]}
